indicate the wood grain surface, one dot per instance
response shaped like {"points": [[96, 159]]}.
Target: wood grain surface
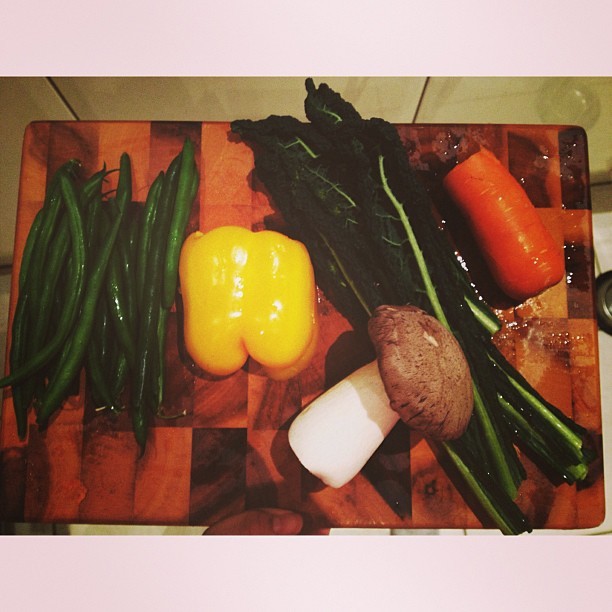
{"points": [[230, 450]]}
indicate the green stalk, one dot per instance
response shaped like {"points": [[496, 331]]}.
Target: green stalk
{"points": [[346, 275], [503, 524], [572, 438], [503, 470], [306, 148], [491, 324], [537, 442], [498, 457], [418, 254]]}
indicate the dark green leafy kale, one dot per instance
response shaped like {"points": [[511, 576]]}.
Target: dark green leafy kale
{"points": [[346, 188], [299, 170]]}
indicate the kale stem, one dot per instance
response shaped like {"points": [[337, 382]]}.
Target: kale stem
{"points": [[498, 455], [418, 254], [571, 437], [491, 324], [346, 275], [329, 112], [333, 186], [537, 442], [306, 148], [477, 489], [503, 469]]}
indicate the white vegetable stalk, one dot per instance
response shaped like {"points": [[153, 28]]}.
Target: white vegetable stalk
{"points": [[336, 434]]}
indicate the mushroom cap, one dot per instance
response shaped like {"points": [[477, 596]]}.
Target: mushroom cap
{"points": [[424, 371]]}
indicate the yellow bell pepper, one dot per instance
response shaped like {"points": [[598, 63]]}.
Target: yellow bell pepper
{"points": [[248, 294]]}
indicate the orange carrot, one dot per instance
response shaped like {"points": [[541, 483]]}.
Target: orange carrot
{"points": [[519, 250]]}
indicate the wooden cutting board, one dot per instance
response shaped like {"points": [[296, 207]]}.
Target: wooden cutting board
{"points": [[230, 451]]}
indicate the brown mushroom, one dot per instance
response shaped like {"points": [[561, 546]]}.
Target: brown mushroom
{"points": [[424, 371]]}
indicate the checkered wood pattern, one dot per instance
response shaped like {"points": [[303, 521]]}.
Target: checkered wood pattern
{"points": [[230, 451]]}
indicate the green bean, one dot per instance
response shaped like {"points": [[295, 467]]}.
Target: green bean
{"points": [[114, 322], [51, 214], [144, 240], [120, 373], [120, 290], [49, 368], [157, 368], [56, 259], [116, 367], [98, 356], [92, 228], [188, 182], [72, 357], [147, 348], [24, 362], [95, 360], [73, 291], [23, 391], [21, 395], [33, 249], [116, 295], [126, 261], [30, 247], [92, 187]]}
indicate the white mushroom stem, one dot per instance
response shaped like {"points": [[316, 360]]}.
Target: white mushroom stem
{"points": [[336, 434]]}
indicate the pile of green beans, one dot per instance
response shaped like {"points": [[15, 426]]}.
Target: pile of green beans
{"points": [[98, 277]]}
